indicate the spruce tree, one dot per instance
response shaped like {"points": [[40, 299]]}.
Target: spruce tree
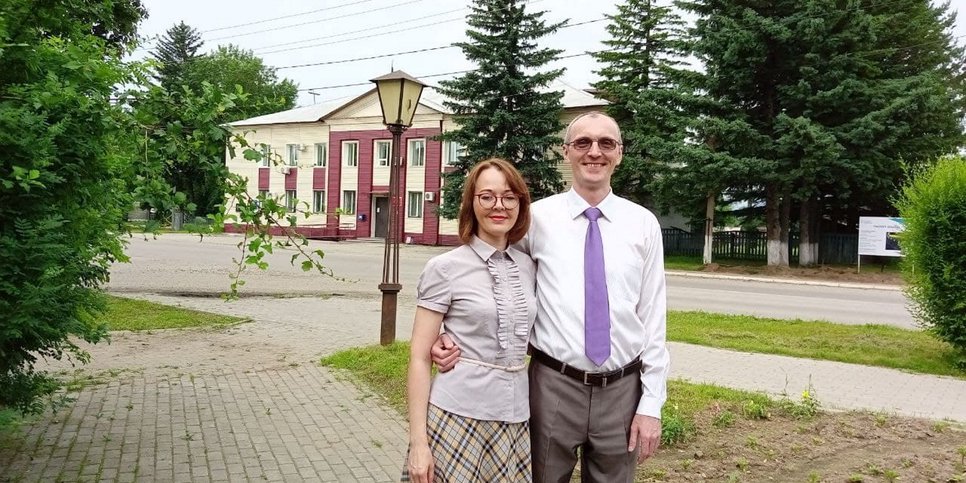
{"points": [[503, 108], [176, 50], [644, 81], [826, 102]]}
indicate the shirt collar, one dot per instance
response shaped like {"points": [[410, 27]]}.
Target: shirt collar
{"points": [[576, 205], [484, 250]]}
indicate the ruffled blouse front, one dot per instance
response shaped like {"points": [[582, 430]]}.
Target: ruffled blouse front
{"points": [[513, 324]]}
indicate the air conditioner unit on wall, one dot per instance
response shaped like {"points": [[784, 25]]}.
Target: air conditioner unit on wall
{"points": [[429, 196], [303, 147], [285, 169]]}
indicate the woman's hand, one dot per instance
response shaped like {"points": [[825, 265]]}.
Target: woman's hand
{"points": [[420, 463]]}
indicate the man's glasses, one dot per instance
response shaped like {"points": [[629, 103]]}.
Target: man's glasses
{"points": [[604, 144], [488, 200]]}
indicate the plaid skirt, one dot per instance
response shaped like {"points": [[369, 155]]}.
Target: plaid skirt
{"points": [[471, 450]]}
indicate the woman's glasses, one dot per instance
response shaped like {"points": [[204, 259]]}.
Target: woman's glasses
{"points": [[488, 200], [604, 144]]}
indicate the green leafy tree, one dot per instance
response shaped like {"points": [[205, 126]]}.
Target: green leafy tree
{"points": [[230, 66], [62, 197], [184, 76], [644, 80], [177, 50], [503, 107], [823, 102], [933, 205]]}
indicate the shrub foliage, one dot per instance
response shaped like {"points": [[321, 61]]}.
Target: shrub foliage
{"points": [[933, 204]]}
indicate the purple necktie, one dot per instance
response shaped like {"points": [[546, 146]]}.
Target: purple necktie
{"points": [[596, 307]]}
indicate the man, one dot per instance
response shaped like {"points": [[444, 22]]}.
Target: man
{"points": [[601, 316]]}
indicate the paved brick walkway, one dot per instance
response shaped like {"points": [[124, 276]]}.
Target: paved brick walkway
{"points": [[294, 424]]}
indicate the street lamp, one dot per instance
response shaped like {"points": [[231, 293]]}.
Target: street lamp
{"points": [[398, 96]]}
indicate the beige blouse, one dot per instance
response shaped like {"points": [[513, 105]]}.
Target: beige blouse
{"points": [[487, 298]]}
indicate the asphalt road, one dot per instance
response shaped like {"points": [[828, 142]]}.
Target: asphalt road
{"points": [[176, 264]]}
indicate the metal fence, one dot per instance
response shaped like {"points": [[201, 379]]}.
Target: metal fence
{"points": [[834, 248]]}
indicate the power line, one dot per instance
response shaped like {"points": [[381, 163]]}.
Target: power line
{"points": [[359, 59], [391, 54], [393, 24], [245, 34], [364, 37], [356, 31], [309, 12], [156, 37]]}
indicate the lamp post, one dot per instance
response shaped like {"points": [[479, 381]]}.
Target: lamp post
{"points": [[398, 96]]}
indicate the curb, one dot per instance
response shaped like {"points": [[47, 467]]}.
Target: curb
{"points": [[793, 281]]}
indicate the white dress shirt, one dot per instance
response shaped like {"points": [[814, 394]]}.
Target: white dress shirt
{"points": [[634, 267]]}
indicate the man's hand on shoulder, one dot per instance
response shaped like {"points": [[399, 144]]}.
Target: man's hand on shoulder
{"points": [[646, 434], [445, 353]]}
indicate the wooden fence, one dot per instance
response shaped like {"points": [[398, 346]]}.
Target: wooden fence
{"points": [[834, 248]]}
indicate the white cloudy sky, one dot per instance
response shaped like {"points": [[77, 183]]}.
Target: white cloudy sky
{"points": [[289, 34]]}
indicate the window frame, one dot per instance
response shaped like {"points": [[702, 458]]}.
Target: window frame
{"points": [[323, 160], [376, 159], [349, 210], [291, 200], [293, 154], [410, 144], [318, 201], [451, 154], [414, 210], [346, 160], [266, 155]]}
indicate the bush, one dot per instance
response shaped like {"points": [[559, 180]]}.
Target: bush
{"points": [[62, 197], [933, 204]]}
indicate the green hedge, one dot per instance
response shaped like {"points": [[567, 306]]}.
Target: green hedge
{"points": [[933, 204]]}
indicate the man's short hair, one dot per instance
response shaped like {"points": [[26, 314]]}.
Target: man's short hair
{"points": [[591, 114]]}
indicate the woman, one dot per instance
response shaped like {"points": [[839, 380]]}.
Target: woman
{"points": [[470, 424]]}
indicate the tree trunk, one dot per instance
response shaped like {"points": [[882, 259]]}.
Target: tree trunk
{"points": [[709, 227], [808, 241], [786, 221], [773, 224]]}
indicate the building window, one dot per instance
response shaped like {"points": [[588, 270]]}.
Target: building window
{"points": [[383, 151], [452, 152], [290, 200], [266, 155], [321, 154], [293, 154], [415, 204], [350, 153], [417, 152], [349, 202], [318, 201]]}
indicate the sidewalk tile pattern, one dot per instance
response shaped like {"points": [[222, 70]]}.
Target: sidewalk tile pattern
{"points": [[295, 424]]}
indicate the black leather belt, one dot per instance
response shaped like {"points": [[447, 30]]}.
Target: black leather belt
{"points": [[599, 379]]}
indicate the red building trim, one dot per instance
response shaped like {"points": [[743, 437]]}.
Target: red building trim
{"points": [[318, 178], [264, 176], [291, 179]]}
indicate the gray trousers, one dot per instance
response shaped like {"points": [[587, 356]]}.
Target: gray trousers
{"points": [[566, 415]]}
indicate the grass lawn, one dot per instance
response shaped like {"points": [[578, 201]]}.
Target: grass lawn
{"points": [[130, 314], [873, 345], [682, 262]]}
